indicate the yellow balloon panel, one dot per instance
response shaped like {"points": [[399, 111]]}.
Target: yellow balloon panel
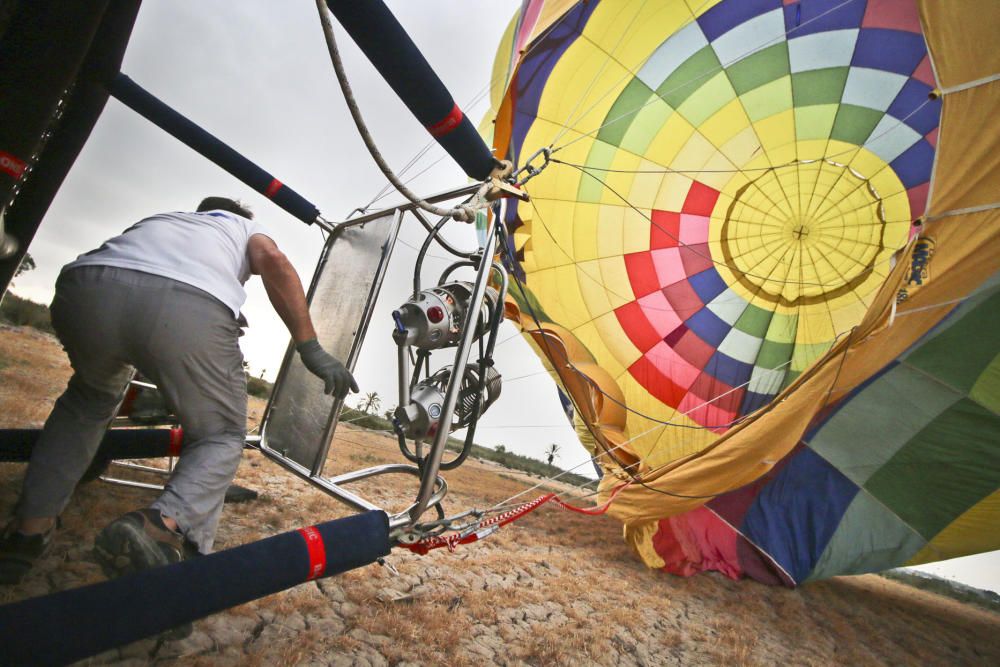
{"points": [[738, 202]]}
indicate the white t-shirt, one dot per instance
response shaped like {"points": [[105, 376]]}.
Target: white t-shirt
{"points": [[207, 250]]}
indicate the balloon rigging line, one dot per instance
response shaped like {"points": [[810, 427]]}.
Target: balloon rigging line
{"points": [[597, 74], [463, 212], [683, 244], [721, 395], [650, 307], [488, 428], [387, 188], [748, 170], [933, 306], [638, 479], [415, 248], [964, 211], [892, 128], [607, 451], [722, 67], [659, 96], [528, 375], [692, 248], [475, 99], [509, 338]]}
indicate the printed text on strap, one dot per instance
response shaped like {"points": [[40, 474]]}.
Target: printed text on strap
{"points": [[317, 552]]}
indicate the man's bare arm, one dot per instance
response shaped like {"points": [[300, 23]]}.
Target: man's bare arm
{"points": [[283, 286], [284, 289]]}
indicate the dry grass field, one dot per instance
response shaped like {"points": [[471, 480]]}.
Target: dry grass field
{"points": [[555, 588]]}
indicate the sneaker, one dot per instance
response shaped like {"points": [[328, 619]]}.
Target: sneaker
{"points": [[138, 541], [18, 552]]}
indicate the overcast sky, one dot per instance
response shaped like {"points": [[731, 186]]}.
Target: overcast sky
{"points": [[256, 73]]}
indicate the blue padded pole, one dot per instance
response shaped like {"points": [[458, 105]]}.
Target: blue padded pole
{"points": [[384, 41], [132, 95], [146, 443], [71, 625]]}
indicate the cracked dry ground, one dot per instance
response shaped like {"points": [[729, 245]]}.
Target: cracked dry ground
{"points": [[553, 588]]}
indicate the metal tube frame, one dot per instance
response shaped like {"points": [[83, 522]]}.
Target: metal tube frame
{"points": [[433, 487]]}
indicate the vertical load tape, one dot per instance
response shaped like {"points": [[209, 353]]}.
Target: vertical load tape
{"points": [[382, 39]]}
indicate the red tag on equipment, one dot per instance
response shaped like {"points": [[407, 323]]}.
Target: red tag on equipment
{"points": [[11, 165], [273, 188], [176, 438], [446, 124]]}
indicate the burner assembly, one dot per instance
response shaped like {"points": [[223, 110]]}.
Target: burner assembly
{"points": [[447, 315]]}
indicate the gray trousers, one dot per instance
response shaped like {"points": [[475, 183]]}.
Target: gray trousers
{"points": [[180, 337]]}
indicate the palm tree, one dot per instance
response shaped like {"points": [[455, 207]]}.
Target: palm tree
{"points": [[371, 402], [551, 451]]}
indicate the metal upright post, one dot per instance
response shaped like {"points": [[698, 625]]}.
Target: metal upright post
{"points": [[433, 463]]}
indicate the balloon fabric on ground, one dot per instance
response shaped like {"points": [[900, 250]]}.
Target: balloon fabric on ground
{"points": [[764, 278]]}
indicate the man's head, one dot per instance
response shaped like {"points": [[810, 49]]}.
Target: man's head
{"points": [[225, 204]]}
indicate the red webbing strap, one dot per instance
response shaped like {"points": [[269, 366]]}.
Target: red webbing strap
{"points": [[453, 540], [487, 526], [317, 552], [446, 124], [176, 438], [594, 511]]}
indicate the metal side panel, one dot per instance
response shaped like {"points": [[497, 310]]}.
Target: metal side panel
{"points": [[300, 418]]}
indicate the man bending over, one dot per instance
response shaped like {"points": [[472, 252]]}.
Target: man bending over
{"points": [[163, 297]]}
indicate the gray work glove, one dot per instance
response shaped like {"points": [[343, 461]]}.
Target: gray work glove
{"points": [[336, 378]]}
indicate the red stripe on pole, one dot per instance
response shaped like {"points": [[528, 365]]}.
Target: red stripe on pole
{"points": [[317, 552], [273, 188], [447, 124], [176, 437], [11, 165]]}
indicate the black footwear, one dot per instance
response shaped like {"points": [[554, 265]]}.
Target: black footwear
{"points": [[140, 540], [18, 552], [137, 541], [239, 494]]}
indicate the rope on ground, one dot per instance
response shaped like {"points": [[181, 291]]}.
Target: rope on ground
{"points": [[487, 527]]}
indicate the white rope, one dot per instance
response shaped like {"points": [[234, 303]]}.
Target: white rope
{"points": [[969, 84], [464, 212], [964, 211], [933, 306]]}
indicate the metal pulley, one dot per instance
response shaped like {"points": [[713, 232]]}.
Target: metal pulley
{"points": [[433, 318]]}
